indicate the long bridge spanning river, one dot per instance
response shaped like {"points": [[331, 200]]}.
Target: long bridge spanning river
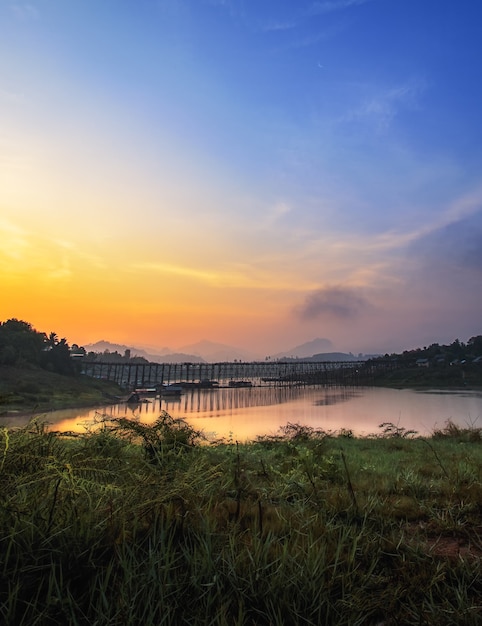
{"points": [[131, 375]]}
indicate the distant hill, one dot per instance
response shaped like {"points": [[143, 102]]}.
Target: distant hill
{"points": [[212, 352], [180, 357], [217, 352], [165, 357], [334, 356], [327, 356], [200, 352], [102, 346], [307, 349]]}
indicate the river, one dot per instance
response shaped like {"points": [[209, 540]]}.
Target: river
{"points": [[244, 413]]}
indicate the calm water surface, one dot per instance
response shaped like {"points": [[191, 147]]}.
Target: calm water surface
{"points": [[245, 413]]}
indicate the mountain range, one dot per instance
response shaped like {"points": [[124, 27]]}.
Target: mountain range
{"points": [[212, 352], [307, 349], [163, 355], [217, 352]]}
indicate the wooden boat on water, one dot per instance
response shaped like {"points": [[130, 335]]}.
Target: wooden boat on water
{"points": [[171, 390], [205, 383]]}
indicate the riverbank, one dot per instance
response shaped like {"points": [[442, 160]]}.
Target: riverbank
{"points": [[451, 377], [139, 523], [28, 390]]}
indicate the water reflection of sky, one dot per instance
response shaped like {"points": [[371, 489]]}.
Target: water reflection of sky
{"points": [[245, 413]]}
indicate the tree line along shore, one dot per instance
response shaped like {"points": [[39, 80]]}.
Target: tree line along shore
{"points": [[38, 371], [130, 523]]}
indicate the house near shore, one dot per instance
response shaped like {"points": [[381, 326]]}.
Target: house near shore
{"points": [[422, 363]]}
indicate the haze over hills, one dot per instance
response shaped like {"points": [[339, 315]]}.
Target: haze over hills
{"points": [[307, 349], [217, 352], [195, 353], [334, 356], [163, 355], [212, 352]]}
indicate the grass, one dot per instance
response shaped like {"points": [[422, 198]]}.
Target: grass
{"points": [[29, 389], [137, 524]]}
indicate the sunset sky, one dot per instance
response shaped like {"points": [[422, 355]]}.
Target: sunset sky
{"points": [[252, 172]]}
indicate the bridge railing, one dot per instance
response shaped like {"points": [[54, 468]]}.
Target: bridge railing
{"points": [[130, 375]]}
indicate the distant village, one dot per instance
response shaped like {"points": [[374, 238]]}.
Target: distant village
{"points": [[436, 355]]}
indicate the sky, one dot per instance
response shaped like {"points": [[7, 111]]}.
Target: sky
{"points": [[257, 173]]}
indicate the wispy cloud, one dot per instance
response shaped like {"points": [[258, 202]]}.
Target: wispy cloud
{"points": [[380, 260], [397, 240], [174, 8], [235, 7], [311, 40], [383, 105], [24, 253], [279, 26], [62, 271], [25, 11], [13, 241], [328, 6], [10, 96], [259, 275], [275, 213], [177, 270], [461, 208]]}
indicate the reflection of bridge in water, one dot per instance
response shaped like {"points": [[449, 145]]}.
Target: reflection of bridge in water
{"points": [[130, 375], [212, 401]]}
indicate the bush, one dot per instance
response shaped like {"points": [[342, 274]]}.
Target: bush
{"points": [[452, 431]]}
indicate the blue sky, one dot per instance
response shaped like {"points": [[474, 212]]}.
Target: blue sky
{"points": [[264, 172]]}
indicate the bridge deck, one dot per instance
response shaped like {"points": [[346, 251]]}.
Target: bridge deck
{"points": [[257, 373]]}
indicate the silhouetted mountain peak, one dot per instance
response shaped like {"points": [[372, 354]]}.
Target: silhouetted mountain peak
{"points": [[308, 349], [165, 357]]}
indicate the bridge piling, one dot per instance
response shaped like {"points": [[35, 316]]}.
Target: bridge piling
{"points": [[259, 373]]}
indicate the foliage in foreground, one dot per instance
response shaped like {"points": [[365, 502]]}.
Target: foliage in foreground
{"points": [[133, 524]]}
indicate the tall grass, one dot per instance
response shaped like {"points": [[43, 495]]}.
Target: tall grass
{"points": [[136, 524]]}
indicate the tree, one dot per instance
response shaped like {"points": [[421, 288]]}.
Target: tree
{"points": [[474, 345], [20, 343], [457, 349], [57, 356], [53, 339], [76, 349]]}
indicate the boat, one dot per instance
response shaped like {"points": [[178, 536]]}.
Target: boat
{"points": [[240, 383], [146, 390], [204, 383], [171, 390]]}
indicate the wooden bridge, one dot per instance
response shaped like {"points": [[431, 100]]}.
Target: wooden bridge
{"points": [[131, 375]]}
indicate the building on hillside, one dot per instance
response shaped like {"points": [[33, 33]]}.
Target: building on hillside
{"points": [[422, 363]]}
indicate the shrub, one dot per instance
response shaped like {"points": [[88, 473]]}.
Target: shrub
{"points": [[469, 434]]}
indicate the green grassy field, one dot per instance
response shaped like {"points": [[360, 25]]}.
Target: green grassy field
{"points": [[137, 524]]}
